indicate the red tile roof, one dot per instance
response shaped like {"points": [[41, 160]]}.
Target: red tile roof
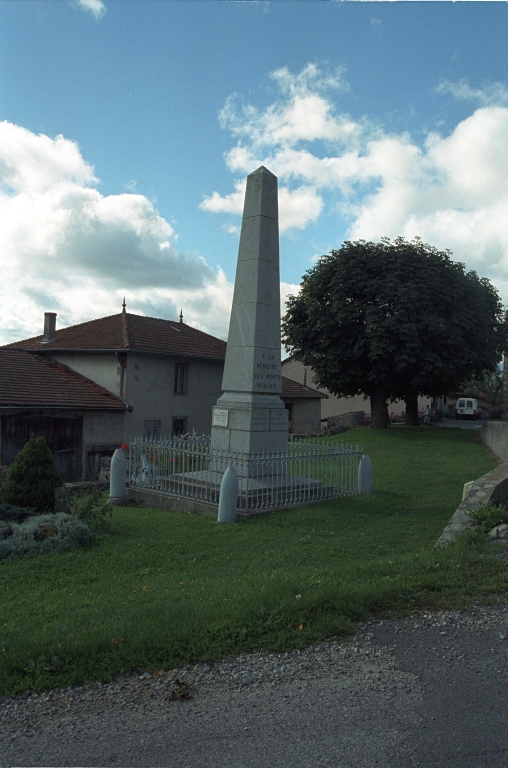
{"points": [[292, 389], [138, 333], [131, 332], [33, 381]]}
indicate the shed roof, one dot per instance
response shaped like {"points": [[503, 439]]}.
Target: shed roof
{"points": [[34, 381], [292, 389]]}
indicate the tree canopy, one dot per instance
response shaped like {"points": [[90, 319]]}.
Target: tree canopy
{"points": [[393, 320]]}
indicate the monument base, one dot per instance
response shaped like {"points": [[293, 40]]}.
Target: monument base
{"points": [[249, 423], [269, 490]]}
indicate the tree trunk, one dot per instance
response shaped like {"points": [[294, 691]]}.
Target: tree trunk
{"points": [[411, 418], [379, 410]]}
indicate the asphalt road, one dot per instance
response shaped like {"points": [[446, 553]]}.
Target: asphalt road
{"points": [[436, 697], [461, 423]]}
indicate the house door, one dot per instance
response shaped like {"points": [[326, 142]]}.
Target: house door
{"points": [[93, 463], [63, 437]]}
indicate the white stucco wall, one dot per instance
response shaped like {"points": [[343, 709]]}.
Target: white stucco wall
{"points": [[149, 389], [306, 415], [100, 367], [335, 406], [103, 427]]}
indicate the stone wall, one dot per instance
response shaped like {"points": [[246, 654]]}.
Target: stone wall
{"points": [[490, 488], [494, 434]]}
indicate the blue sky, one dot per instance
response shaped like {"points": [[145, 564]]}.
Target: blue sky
{"points": [[127, 129]]}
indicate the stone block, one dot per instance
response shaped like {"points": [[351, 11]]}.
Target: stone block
{"points": [[467, 488], [499, 532]]}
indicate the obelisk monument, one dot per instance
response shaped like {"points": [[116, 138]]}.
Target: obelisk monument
{"points": [[250, 416]]}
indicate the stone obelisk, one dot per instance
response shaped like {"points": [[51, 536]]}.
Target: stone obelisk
{"points": [[250, 416]]}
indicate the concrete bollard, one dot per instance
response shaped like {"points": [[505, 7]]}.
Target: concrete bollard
{"points": [[117, 475], [365, 475], [228, 498]]}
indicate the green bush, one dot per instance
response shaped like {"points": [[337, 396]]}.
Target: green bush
{"points": [[63, 532], [487, 516], [89, 506], [11, 514], [32, 478]]}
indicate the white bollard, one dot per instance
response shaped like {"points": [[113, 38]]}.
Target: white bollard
{"points": [[117, 475], [228, 498], [365, 475]]}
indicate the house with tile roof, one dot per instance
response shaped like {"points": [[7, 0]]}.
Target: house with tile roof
{"points": [[163, 378], [41, 396]]}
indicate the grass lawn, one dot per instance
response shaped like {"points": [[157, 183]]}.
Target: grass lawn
{"points": [[160, 589]]}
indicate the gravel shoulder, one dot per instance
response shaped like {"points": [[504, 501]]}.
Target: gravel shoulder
{"points": [[429, 690]]}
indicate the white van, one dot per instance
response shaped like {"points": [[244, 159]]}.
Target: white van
{"points": [[466, 408]]}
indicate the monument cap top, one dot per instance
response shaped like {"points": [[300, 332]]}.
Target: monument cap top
{"points": [[261, 196], [262, 169]]}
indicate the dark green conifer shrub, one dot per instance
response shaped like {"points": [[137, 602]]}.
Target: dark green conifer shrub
{"points": [[32, 478]]}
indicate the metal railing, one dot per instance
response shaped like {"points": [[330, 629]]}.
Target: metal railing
{"points": [[186, 467]]}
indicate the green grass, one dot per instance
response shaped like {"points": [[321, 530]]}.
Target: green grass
{"points": [[160, 589]]}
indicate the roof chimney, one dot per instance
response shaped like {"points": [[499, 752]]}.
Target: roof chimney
{"points": [[49, 327]]}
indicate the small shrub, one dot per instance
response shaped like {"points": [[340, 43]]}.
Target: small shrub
{"points": [[11, 514], [32, 478], [487, 516], [62, 533], [89, 506]]}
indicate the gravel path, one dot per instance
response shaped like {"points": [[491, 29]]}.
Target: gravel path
{"points": [[430, 690]]}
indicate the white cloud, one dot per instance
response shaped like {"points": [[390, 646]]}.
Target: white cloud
{"points": [[452, 193], [66, 246], [287, 289], [449, 190], [297, 208], [489, 93], [305, 113], [232, 203], [97, 7]]}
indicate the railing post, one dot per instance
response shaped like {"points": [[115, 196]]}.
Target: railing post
{"points": [[228, 498], [365, 475]]}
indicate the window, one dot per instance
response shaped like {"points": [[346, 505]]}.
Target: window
{"points": [[181, 379], [152, 428], [179, 425]]}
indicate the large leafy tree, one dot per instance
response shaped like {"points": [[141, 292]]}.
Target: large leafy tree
{"points": [[394, 320]]}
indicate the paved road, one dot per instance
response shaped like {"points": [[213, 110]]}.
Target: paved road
{"points": [[461, 424], [430, 692]]}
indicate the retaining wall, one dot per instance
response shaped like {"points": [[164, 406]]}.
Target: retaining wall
{"points": [[494, 434], [492, 487]]}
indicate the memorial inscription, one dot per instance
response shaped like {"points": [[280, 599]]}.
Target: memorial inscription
{"points": [[220, 417], [267, 376], [260, 420]]}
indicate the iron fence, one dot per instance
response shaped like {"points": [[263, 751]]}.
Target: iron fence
{"points": [[186, 467]]}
